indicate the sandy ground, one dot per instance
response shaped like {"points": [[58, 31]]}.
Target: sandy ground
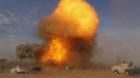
{"points": [[54, 72], [58, 73]]}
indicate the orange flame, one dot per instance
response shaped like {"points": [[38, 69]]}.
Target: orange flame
{"points": [[79, 16], [56, 52]]}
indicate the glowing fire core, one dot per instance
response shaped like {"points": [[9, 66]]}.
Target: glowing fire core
{"points": [[56, 52]]}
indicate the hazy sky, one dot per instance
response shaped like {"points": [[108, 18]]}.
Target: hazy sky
{"points": [[118, 33]]}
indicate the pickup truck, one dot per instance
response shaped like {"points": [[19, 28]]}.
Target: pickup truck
{"points": [[122, 68]]}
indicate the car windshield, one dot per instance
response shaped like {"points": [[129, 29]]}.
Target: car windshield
{"points": [[21, 67]]}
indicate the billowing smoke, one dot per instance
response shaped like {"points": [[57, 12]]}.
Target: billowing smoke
{"points": [[81, 52], [28, 51]]}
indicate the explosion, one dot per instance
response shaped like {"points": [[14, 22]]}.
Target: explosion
{"points": [[56, 52], [69, 34], [71, 30]]}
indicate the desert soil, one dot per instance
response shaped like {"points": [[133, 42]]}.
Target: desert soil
{"points": [[58, 73], [55, 72]]}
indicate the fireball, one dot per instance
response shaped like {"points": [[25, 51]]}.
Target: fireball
{"points": [[56, 52], [79, 16], [74, 19]]}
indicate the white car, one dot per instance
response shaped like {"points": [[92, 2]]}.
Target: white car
{"points": [[19, 69], [122, 68]]}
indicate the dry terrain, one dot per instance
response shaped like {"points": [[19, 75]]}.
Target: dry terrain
{"points": [[53, 72]]}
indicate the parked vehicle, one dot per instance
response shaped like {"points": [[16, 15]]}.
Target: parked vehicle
{"points": [[36, 69], [19, 69], [122, 68]]}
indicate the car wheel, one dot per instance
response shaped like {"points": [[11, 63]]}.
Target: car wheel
{"points": [[15, 71], [116, 72], [128, 72]]}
